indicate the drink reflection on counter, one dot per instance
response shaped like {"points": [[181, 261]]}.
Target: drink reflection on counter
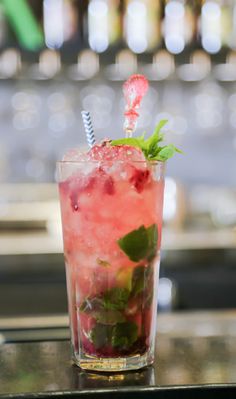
{"points": [[87, 380]]}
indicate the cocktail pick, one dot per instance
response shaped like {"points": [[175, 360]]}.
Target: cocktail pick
{"points": [[88, 127], [134, 89]]}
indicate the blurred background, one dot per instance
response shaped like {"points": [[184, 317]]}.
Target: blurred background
{"points": [[58, 57]]}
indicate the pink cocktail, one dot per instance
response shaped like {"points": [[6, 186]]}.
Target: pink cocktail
{"points": [[111, 206]]}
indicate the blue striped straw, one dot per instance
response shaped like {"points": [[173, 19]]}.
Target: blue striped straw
{"points": [[88, 127]]}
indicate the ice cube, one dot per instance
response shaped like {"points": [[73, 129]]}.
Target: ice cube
{"points": [[75, 155], [75, 162], [107, 152]]}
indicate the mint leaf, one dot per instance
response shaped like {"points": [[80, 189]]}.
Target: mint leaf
{"points": [[135, 244], [116, 298], [94, 307], [149, 285], [150, 146], [120, 336], [138, 280], [152, 233], [166, 152], [140, 244], [135, 142], [142, 282], [109, 317], [161, 124], [101, 335], [152, 142], [124, 335], [106, 309]]}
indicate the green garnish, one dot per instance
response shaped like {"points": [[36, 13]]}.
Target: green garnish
{"points": [[142, 283], [116, 298], [138, 280], [113, 327], [150, 147], [101, 307], [109, 317], [101, 335], [124, 335], [152, 233], [103, 310], [140, 244], [121, 336]]}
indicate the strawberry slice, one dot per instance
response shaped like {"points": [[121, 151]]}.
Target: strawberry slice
{"points": [[109, 187]]}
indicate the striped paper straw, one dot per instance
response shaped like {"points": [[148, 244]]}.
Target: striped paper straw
{"points": [[88, 127]]}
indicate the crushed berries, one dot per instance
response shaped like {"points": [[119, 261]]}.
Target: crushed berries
{"points": [[109, 187], [139, 179], [74, 201], [90, 185]]}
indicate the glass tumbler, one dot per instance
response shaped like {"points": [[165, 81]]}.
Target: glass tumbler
{"points": [[111, 220]]}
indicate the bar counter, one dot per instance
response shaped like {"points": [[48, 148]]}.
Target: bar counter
{"points": [[195, 358]]}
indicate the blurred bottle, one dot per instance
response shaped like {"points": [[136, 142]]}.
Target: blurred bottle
{"points": [[60, 21], [227, 22], [10, 63], [211, 26], [192, 15], [49, 63], [179, 26], [167, 295], [142, 24], [104, 24], [233, 33]]}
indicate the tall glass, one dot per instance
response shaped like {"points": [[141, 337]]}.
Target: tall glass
{"points": [[112, 220]]}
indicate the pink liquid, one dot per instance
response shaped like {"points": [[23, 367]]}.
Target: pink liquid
{"points": [[98, 208]]}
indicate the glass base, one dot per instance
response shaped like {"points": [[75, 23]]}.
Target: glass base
{"points": [[136, 362]]}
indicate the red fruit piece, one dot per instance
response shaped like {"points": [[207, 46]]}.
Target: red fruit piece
{"points": [[74, 201], [109, 186], [81, 188], [134, 89], [90, 184], [139, 179]]}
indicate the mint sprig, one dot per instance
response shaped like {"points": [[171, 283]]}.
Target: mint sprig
{"points": [[150, 146]]}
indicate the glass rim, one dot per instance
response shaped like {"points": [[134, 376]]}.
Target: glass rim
{"points": [[93, 161]]}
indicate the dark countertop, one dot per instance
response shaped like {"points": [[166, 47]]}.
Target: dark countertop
{"points": [[200, 366]]}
